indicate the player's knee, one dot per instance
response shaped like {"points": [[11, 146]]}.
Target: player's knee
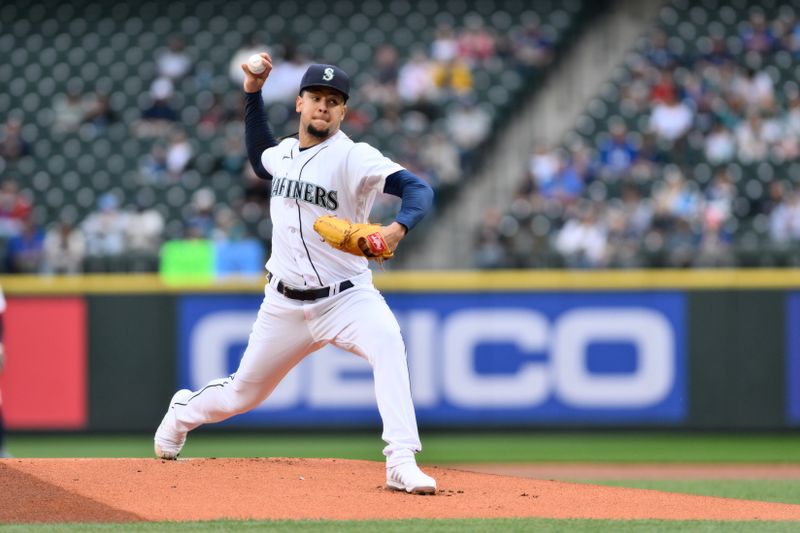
{"points": [[242, 400], [387, 341]]}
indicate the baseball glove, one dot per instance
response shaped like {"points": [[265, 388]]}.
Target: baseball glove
{"points": [[363, 240]]}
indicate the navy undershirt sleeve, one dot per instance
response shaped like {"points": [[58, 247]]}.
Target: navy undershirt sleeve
{"points": [[417, 197], [257, 134]]}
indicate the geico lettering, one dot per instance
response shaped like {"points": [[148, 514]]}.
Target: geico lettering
{"points": [[647, 330], [465, 330], [442, 351], [566, 376]]}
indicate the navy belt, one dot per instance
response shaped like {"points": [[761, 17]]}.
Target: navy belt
{"points": [[309, 294]]}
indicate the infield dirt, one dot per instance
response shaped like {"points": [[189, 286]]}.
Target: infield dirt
{"points": [[122, 490]]}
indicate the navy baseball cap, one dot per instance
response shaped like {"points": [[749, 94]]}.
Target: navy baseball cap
{"points": [[326, 76]]}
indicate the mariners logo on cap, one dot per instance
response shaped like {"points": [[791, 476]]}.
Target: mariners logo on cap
{"points": [[328, 76]]}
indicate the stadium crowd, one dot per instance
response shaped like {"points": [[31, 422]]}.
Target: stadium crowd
{"points": [[426, 104], [694, 167]]}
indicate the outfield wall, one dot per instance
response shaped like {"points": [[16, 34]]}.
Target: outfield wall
{"points": [[640, 349]]}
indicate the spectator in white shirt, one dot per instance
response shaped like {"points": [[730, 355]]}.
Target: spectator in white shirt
{"points": [[671, 119]]}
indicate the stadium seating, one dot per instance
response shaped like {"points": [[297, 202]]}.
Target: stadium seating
{"points": [[689, 28], [113, 47]]}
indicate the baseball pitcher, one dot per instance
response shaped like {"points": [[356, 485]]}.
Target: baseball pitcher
{"points": [[319, 288]]}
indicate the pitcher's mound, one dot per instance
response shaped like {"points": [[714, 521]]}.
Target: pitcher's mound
{"points": [[119, 490]]}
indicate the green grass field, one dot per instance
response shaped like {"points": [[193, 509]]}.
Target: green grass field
{"points": [[439, 447], [449, 448]]}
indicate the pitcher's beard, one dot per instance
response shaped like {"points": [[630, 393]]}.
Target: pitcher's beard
{"points": [[319, 134]]}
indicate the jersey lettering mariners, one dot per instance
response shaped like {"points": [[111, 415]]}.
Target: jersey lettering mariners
{"points": [[336, 177]]}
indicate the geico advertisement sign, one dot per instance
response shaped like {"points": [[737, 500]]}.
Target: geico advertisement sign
{"points": [[515, 362]]}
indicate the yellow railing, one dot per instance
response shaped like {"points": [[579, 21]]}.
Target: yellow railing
{"points": [[430, 281]]}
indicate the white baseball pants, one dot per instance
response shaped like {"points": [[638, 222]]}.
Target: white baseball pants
{"points": [[285, 331]]}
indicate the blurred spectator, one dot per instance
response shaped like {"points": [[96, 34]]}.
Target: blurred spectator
{"points": [[381, 87], [284, 80], [622, 241], [617, 153], [153, 166], [635, 92], [174, 62], [754, 88], [664, 90], [105, 228], [792, 38], [68, 109], [681, 244], [530, 47], [24, 251], [678, 198], [658, 53], [720, 145], [566, 185], [475, 43], [214, 114], [543, 165], [64, 249], [670, 119], [233, 158], [254, 43], [582, 240], [12, 145], [719, 198], [445, 45], [637, 211], [717, 52], [179, 154], [775, 196], [415, 79], [200, 223], [489, 249], [98, 112], [714, 243], [784, 220], [751, 139], [756, 35], [583, 161], [452, 79], [440, 155], [468, 124], [14, 209], [159, 116], [144, 231]]}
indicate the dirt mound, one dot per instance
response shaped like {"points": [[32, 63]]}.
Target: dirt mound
{"points": [[119, 490], [616, 471]]}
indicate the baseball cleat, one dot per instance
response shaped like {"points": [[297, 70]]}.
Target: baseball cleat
{"points": [[410, 478], [168, 442]]}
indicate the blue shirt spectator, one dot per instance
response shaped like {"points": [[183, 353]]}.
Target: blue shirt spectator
{"points": [[618, 153]]}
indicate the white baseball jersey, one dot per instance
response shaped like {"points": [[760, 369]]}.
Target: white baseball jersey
{"points": [[336, 177]]}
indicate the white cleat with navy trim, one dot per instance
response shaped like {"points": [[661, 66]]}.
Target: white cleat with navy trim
{"points": [[168, 441], [410, 478]]}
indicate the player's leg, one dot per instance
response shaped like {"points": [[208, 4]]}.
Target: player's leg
{"points": [[372, 331], [279, 340]]}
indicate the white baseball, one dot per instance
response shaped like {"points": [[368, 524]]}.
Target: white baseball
{"points": [[256, 64]]}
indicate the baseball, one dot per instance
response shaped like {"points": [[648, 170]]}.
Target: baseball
{"points": [[256, 64]]}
